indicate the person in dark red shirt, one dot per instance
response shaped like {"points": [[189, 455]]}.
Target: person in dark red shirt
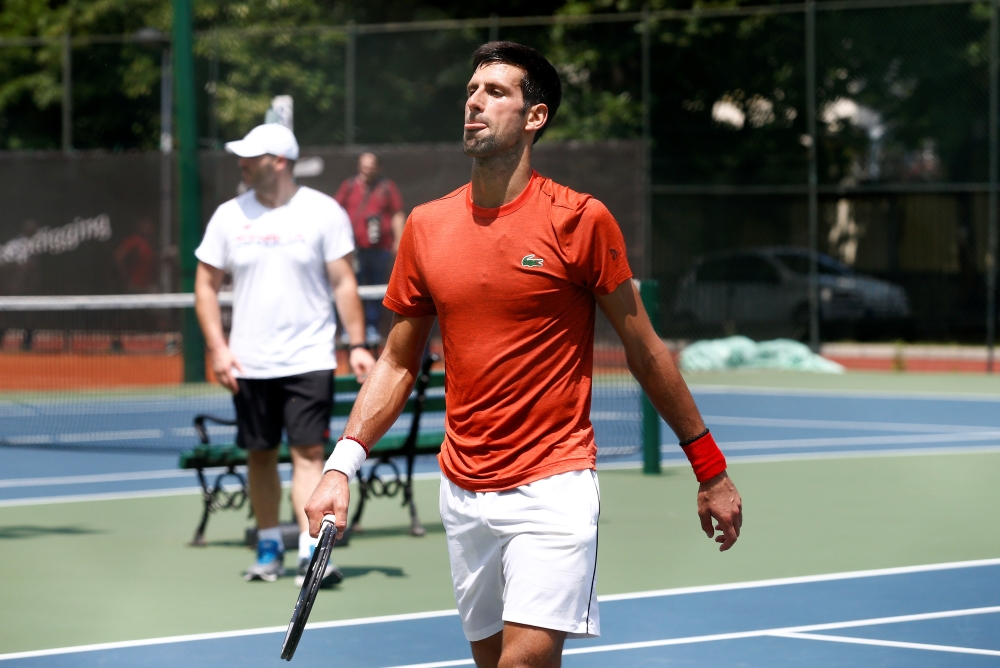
{"points": [[376, 211], [136, 258]]}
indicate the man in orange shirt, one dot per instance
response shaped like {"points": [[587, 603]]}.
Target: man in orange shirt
{"points": [[513, 265]]}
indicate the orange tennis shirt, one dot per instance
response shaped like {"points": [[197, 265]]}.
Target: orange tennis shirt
{"points": [[513, 289]]}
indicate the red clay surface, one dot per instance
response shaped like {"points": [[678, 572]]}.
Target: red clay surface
{"points": [[910, 364], [69, 371]]}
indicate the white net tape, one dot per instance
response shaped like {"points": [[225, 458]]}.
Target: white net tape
{"points": [[114, 302]]}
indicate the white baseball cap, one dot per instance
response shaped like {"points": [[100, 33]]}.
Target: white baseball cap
{"points": [[270, 138]]}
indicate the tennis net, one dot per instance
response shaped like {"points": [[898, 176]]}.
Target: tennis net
{"points": [[106, 374]]}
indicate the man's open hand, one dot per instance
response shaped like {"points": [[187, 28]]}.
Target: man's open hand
{"points": [[718, 501], [331, 497]]}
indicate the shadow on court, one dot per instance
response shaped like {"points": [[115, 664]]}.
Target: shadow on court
{"points": [[234, 542], [361, 571], [34, 531], [393, 531]]}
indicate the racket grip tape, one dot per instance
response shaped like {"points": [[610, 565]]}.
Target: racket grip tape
{"points": [[328, 532]]}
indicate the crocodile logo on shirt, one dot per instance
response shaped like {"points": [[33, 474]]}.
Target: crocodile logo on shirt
{"points": [[531, 261]]}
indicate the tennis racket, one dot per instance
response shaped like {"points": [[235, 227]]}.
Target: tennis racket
{"points": [[303, 606]]}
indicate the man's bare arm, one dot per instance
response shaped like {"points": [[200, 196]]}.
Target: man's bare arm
{"points": [[398, 223], [207, 282], [653, 366], [384, 395], [345, 295], [379, 403]]}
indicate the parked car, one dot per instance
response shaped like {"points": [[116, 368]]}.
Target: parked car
{"points": [[768, 288]]}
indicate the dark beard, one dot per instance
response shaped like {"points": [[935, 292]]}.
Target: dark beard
{"points": [[481, 148], [489, 147]]}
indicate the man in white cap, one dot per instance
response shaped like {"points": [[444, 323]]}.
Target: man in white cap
{"points": [[288, 249]]}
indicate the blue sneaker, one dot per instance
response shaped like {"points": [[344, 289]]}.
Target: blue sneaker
{"points": [[270, 562]]}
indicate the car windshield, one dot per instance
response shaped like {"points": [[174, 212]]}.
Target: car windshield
{"points": [[800, 264]]}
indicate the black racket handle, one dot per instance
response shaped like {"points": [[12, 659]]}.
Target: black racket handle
{"points": [[307, 595]]}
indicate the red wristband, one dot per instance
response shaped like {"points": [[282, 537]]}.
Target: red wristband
{"points": [[356, 440], [705, 457]]}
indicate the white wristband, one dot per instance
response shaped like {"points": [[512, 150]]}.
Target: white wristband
{"points": [[347, 458]]}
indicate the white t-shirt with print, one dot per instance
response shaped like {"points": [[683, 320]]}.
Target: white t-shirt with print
{"points": [[282, 312]]}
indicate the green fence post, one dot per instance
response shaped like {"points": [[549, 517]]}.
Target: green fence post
{"points": [[189, 195], [649, 290]]}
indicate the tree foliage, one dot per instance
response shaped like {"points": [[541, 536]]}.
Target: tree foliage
{"points": [[901, 91]]}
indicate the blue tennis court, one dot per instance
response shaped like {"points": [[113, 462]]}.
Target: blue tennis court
{"points": [[932, 615], [939, 615], [749, 423]]}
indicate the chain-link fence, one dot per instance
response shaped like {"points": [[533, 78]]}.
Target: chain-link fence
{"points": [[701, 128]]}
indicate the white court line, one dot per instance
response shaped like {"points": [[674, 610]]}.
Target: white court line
{"points": [[739, 635], [101, 477], [117, 477], [601, 466], [224, 634], [442, 664], [680, 462], [742, 421], [609, 416], [123, 435], [753, 584], [115, 406], [115, 496], [859, 454], [214, 430], [901, 439], [842, 394], [803, 579], [150, 493], [887, 643], [111, 496]]}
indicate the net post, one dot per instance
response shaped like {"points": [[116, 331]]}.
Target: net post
{"points": [[814, 307], [189, 208], [649, 291], [994, 175]]}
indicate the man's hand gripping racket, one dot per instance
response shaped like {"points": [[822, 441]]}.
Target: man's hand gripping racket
{"points": [[303, 606]]}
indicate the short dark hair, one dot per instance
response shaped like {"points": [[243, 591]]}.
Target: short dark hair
{"points": [[540, 84]]}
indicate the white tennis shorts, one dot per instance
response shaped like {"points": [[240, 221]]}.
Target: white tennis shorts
{"points": [[526, 555]]}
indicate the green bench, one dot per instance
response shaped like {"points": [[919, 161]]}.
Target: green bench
{"points": [[228, 490]]}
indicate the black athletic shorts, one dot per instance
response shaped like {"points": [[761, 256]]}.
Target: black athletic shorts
{"points": [[300, 405]]}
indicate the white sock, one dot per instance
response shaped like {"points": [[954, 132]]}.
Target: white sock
{"points": [[274, 533], [306, 545]]}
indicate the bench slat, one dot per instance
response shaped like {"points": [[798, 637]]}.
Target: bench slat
{"points": [[209, 456], [346, 384], [431, 405]]}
